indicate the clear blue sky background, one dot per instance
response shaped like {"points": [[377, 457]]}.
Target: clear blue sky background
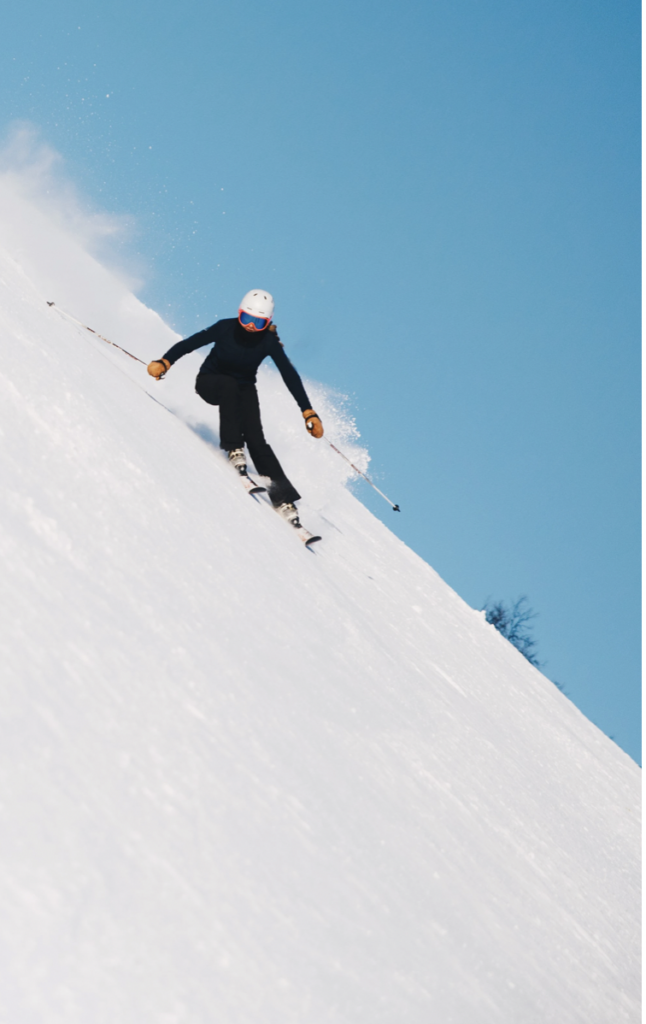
{"points": [[443, 197]]}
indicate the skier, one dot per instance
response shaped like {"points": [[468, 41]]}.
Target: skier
{"points": [[227, 378]]}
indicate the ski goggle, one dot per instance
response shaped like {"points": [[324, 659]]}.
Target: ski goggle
{"points": [[257, 322]]}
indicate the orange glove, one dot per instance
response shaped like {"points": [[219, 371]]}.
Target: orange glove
{"points": [[313, 423], [158, 368]]}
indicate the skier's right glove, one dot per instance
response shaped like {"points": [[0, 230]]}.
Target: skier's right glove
{"points": [[313, 423], [158, 368]]}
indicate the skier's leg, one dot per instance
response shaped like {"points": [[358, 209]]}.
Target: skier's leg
{"points": [[280, 490], [220, 389]]}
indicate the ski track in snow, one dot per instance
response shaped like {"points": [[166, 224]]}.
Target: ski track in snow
{"points": [[245, 782]]}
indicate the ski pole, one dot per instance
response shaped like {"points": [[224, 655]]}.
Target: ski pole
{"points": [[394, 507], [85, 327]]}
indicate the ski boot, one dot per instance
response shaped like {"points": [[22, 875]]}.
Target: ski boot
{"points": [[289, 513], [238, 461]]}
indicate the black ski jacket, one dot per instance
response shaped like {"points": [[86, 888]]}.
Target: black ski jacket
{"points": [[238, 353]]}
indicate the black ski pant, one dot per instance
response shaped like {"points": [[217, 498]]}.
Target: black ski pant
{"points": [[240, 424]]}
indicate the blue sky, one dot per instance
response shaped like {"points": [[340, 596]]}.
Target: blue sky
{"points": [[444, 199]]}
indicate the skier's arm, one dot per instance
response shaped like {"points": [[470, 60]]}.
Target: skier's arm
{"points": [[292, 379], [290, 375], [182, 348], [159, 367]]}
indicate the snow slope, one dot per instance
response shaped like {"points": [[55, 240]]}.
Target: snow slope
{"points": [[243, 782]]}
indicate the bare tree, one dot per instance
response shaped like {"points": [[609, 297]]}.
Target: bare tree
{"points": [[514, 624]]}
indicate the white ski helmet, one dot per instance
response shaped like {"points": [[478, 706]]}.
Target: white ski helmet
{"points": [[258, 303]]}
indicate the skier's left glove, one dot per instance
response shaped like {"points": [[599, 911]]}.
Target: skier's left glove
{"points": [[313, 423]]}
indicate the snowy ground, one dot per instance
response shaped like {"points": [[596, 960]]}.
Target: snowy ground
{"points": [[243, 782]]}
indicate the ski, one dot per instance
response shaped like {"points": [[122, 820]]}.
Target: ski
{"points": [[307, 537], [250, 486], [296, 525]]}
